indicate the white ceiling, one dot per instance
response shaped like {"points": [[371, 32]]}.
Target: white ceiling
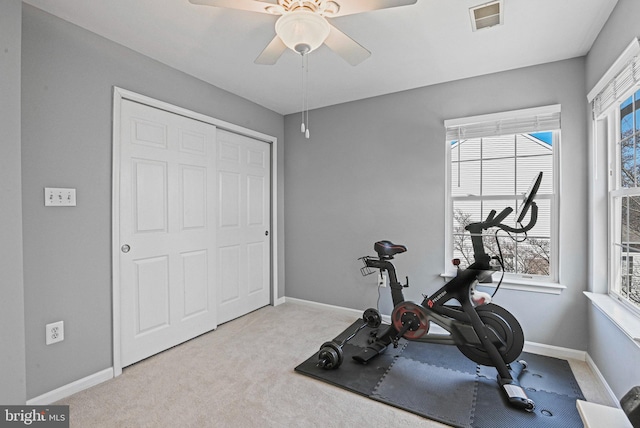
{"points": [[412, 46]]}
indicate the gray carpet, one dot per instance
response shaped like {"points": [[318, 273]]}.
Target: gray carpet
{"points": [[241, 375], [439, 383]]}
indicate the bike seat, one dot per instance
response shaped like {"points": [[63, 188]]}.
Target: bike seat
{"points": [[387, 249]]}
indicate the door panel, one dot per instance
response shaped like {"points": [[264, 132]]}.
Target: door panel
{"points": [[256, 200], [229, 268], [194, 189], [150, 190], [244, 241], [229, 200], [148, 133], [167, 219], [195, 280], [152, 296], [255, 258]]}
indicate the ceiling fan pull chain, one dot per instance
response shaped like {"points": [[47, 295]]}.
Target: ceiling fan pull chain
{"points": [[306, 92], [302, 127]]}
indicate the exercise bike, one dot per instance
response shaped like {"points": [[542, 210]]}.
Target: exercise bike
{"points": [[483, 331]]}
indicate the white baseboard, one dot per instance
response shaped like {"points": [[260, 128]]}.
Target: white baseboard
{"points": [[279, 301], [71, 388], [532, 347], [603, 381], [354, 312], [554, 351], [348, 311]]}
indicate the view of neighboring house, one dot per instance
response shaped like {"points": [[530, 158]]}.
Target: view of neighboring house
{"points": [[630, 250], [492, 173]]}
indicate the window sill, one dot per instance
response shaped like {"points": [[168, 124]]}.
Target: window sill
{"points": [[522, 285], [622, 317]]}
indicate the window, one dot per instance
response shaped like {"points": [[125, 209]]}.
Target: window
{"points": [[624, 201], [492, 161], [615, 181]]}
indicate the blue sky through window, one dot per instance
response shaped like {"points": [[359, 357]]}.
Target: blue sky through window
{"points": [[628, 109], [547, 137]]}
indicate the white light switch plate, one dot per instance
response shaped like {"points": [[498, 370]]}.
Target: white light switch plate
{"points": [[56, 197]]}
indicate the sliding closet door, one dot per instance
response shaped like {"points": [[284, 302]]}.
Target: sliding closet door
{"points": [[193, 236], [168, 196], [243, 233]]}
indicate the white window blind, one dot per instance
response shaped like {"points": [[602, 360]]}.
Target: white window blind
{"points": [[623, 75], [531, 120]]}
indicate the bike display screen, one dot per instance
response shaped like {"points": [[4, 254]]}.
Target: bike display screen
{"points": [[529, 197]]}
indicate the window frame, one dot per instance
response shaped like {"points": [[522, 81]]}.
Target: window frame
{"points": [[539, 283], [615, 192], [605, 97]]}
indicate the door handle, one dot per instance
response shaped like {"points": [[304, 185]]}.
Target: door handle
{"points": [[125, 248], [266, 233]]}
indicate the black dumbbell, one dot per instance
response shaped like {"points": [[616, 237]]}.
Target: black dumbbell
{"points": [[372, 317], [331, 355]]}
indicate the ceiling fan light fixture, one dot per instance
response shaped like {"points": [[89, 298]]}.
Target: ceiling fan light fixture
{"points": [[302, 31]]}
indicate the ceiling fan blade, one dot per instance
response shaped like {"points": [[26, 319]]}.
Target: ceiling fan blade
{"points": [[358, 6], [272, 52], [249, 5], [350, 50]]}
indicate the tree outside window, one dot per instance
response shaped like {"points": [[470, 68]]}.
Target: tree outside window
{"points": [[625, 203], [493, 173]]}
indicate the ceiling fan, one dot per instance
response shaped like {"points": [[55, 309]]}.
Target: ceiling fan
{"points": [[302, 25]]}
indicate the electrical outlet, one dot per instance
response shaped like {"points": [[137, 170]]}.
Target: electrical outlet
{"points": [[382, 279], [54, 332]]}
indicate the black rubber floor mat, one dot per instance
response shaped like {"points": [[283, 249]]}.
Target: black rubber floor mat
{"points": [[552, 410], [350, 375], [426, 389], [440, 356], [543, 374], [439, 383]]}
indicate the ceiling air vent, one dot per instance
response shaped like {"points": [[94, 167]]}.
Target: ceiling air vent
{"points": [[487, 15]]}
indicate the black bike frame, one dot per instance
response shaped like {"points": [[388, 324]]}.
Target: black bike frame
{"points": [[466, 328], [462, 322]]}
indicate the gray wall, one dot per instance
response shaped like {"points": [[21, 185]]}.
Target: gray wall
{"points": [[374, 169], [621, 27], [615, 354], [12, 336], [68, 76]]}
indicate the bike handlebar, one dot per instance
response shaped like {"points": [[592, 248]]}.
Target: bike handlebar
{"points": [[532, 222], [493, 221], [496, 221], [475, 229], [505, 212]]}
